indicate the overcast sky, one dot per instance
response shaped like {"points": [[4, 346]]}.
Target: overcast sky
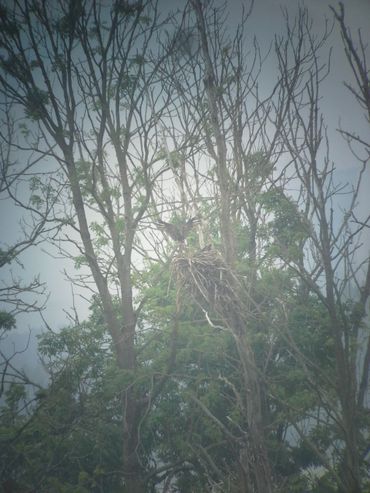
{"points": [[266, 20]]}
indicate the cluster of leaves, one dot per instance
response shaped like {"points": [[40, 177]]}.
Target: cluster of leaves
{"points": [[69, 439]]}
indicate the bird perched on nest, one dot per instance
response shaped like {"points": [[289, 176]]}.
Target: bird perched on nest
{"points": [[180, 231]]}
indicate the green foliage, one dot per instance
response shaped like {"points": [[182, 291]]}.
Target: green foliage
{"points": [[37, 100], [5, 257], [58, 64], [288, 228], [25, 132], [78, 415], [14, 396], [7, 320], [188, 378], [257, 169], [72, 441], [8, 25], [66, 24], [174, 159], [127, 8], [13, 65], [80, 261]]}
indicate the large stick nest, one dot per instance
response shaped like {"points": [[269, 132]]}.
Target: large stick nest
{"points": [[205, 275]]}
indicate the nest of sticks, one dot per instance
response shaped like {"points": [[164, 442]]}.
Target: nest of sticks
{"points": [[207, 278]]}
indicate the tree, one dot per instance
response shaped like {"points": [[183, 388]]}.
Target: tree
{"points": [[329, 267], [85, 77], [69, 437], [229, 339], [218, 90], [18, 297], [298, 231]]}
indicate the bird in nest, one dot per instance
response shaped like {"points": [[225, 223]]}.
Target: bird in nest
{"points": [[179, 231]]}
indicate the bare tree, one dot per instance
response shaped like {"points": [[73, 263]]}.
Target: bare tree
{"points": [[224, 109], [333, 266], [356, 51], [266, 144]]}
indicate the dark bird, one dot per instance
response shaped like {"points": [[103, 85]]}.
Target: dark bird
{"points": [[180, 231]]}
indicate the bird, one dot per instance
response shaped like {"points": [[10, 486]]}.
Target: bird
{"points": [[179, 231]]}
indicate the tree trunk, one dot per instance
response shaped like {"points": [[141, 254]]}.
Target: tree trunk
{"points": [[133, 471], [123, 341], [255, 460]]}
